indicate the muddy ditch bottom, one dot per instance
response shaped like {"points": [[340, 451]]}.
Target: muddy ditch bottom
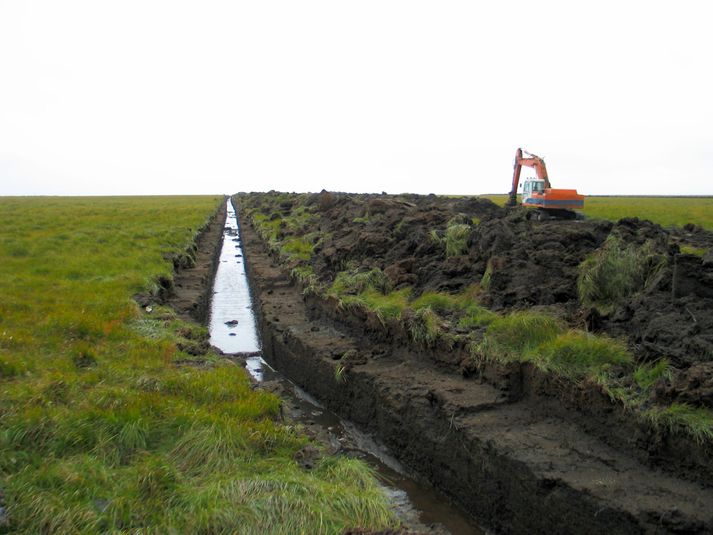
{"points": [[420, 507]]}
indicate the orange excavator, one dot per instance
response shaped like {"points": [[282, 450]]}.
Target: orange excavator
{"points": [[549, 203]]}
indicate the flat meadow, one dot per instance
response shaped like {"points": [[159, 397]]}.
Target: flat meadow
{"points": [[107, 423]]}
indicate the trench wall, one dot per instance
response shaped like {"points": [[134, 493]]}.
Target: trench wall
{"points": [[491, 486], [191, 289]]}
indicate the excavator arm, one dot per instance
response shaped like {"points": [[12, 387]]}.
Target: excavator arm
{"points": [[533, 161]]}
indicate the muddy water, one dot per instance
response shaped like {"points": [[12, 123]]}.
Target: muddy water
{"points": [[233, 330]]}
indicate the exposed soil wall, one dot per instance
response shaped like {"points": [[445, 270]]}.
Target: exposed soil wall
{"points": [[585, 403], [493, 443], [192, 286]]}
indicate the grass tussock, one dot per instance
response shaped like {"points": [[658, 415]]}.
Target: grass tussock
{"points": [[456, 239], [696, 422], [351, 282], [648, 374], [298, 248], [616, 271], [578, 354], [515, 335], [487, 275], [463, 307], [424, 326], [100, 430], [543, 340], [306, 277], [386, 306]]}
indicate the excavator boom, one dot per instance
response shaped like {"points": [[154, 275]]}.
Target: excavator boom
{"points": [[534, 161]]}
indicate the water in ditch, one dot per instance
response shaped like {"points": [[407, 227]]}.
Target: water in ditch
{"points": [[233, 330]]}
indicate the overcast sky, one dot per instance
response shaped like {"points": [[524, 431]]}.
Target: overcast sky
{"points": [[145, 97]]}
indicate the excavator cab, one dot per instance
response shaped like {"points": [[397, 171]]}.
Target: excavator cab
{"points": [[532, 185]]}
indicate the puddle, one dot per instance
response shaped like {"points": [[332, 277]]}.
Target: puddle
{"points": [[418, 505]]}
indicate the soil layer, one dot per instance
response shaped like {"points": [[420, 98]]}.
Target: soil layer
{"points": [[192, 286], [503, 446]]}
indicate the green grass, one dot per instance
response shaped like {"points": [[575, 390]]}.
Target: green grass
{"points": [[529, 336], [267, 226], [306, 276], [514, 336], [468, 312], [438, 301], [356, 282], [424, 326], [697, 251], [579, 354], [677, 417], [666, 211], [456, 238], [475, 316], [646, 375], [615, 271], [390, 305], [487, 275], [100, 429], [298, 248]]}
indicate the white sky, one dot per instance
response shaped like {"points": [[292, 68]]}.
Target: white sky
{"points": [[134, 97]]}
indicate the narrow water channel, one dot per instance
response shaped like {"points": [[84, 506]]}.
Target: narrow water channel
{"points": [[233, 330]]}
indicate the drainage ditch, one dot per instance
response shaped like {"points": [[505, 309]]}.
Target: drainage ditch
{"points": [[233, 330]]}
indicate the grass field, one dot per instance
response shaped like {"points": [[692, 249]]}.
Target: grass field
{"points": [[100, 429], [666, 211]]}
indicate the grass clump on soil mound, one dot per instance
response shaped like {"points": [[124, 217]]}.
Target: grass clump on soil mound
{"points": [[543, 340], [578, 354], [581, 356], [351, 282], [425, 326], [284, 224], [616, 271], [455, 238], [371, 291], [515, 335], [103, 425], [464, 306], [695, 421]]}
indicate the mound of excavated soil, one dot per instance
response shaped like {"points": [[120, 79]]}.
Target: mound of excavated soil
{"points": [[528, 263], [532, 263]]}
